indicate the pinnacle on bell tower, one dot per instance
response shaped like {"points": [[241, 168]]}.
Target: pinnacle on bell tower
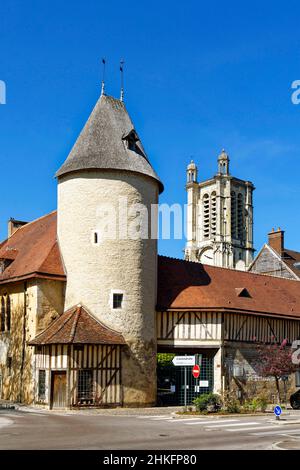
{"points": [[223, 163], [191, 172]]}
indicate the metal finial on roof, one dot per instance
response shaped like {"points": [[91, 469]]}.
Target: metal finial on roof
{"points": [[103, 77], [122, 62]]}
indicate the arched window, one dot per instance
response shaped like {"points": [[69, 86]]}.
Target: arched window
{"points": [[2, 314], [206, 215], [240, 212], [209, 204], [233, 215], [8, 313], [213, 212]]}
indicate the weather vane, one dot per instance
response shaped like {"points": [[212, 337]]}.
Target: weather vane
{"points": [[122, 62], [103, 76]]}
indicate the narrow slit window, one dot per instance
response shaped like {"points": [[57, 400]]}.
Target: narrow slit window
{"points": [[95, 238], [117, 300]]}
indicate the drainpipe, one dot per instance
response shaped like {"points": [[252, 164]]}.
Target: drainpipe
{"points": [[21, 395]]}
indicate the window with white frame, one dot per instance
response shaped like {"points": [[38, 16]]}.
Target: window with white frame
{"points": [[117, 300]]}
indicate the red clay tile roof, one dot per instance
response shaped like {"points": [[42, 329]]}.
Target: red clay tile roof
{"points": [[33, 250], [193, 286], [77, 326], [291, 257]]}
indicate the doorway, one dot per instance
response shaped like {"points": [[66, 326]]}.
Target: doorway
{"points": [[170, 379], [58, 389]]}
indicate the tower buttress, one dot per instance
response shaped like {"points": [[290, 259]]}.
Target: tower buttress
{"points": [[191, 216]]}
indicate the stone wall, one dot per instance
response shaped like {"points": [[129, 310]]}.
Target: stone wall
{"points": [[16, 360], [34, 304], [242, 358]]}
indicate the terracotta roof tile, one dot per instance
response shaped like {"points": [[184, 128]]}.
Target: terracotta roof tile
{"points": [[77, 326], [33, 250], [194, 286]]}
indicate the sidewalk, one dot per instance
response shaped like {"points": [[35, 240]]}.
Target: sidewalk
{"points": [[288, 416]]}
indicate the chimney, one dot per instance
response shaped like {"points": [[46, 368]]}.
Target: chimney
{"points": [[276, 241], [13, 225]]}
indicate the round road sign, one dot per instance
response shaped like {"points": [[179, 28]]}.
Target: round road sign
{"points": [[196, 371], [277, 410]]}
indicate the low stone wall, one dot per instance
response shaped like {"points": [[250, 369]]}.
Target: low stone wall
{"points": [[242, 375]]}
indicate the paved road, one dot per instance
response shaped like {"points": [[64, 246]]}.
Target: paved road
{"points": [[50, 430]]}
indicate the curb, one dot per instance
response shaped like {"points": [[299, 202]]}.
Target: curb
{"points": [[276, 445]]}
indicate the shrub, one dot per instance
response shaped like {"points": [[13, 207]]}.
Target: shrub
{"points": [[256, 404], [263, 403], [233, 406], [231, 403], [208, 402], [252, 405]]}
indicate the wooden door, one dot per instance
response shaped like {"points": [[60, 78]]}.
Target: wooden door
{"points": [[59, 389]]}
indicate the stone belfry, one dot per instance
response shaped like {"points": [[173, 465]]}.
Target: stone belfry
{"points": [[219, 218]]}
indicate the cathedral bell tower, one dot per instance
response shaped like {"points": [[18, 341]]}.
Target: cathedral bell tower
{"points": [[219, 218]]}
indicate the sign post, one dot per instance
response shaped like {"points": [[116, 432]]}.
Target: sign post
{"points": [[184, 361], [185, 385]]}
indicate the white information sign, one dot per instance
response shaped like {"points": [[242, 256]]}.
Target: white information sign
{"points": [[184, 361], [204, 383]]}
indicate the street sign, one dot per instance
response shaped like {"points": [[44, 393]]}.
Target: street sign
{"points": [[184, 361], [196, 371], [277, 410], [204, 383]]}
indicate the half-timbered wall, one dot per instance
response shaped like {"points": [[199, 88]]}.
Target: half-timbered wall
{"points": [[206, 327], [252, 328], [103, 362], [188, 327]]}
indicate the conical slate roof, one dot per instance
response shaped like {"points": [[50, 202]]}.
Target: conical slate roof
{"points": [[104, 143]]}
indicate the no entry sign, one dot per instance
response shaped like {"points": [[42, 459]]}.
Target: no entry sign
{"points": [[196, 371]]}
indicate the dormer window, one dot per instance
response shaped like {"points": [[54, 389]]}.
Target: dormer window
{"points": [[130, 140], [242, 292]]}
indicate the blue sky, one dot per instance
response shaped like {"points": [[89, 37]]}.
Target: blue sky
{"points": [[199, 76]]}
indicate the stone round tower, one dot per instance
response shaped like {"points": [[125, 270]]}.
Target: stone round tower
{"points": [[106, 189]]}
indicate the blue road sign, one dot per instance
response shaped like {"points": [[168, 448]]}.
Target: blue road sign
{"points": [[277, 410]]}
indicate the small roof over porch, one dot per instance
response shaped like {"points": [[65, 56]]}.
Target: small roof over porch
{"points": [[77, 326]]}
